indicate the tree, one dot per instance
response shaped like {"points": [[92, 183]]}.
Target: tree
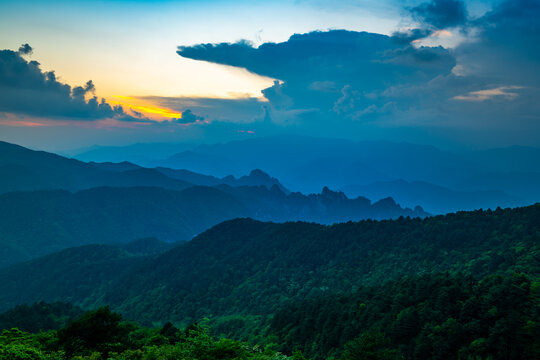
{"points": [[371, 345], [99, 330]]}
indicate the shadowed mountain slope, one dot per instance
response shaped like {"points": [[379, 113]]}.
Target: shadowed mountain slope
{"points": [[22, 169], [40, 222], [248, 267]]}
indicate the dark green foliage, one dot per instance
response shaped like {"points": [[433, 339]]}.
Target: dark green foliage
{"points": [[465, 285], [39, 316], [170, 332], [371, 345], [250, 268], [96, 331], [123, 202], [19, 352], [74, 273], [37, 223], [100, 334], [428, 317], [18, 345]]}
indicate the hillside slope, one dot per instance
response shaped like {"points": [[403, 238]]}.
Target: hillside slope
{"points": [[41, 222], [252, 268], [22, 169]]}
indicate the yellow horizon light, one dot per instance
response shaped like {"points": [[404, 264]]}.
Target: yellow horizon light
{"points": [[146, 108], [157, 110]]}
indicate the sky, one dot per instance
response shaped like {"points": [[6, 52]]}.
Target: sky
{"points": [[450, 73]]}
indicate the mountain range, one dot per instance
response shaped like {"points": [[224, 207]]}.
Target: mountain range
{"points": [[49, 203], [261, 262], [443, 181]]}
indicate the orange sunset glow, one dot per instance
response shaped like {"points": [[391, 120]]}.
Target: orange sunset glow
{"points": [[151, 111]]}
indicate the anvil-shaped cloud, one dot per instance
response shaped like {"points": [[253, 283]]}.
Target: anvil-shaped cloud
{"points": [[339, 79]]}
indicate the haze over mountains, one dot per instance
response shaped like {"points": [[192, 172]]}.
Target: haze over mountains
{"points": [[207, 232], [49, 203], [268, 264], [439, 181]]}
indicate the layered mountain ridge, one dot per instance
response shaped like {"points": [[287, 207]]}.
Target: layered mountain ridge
{"points": [[48, 203]]}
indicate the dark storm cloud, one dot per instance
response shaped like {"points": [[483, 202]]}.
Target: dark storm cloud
{"points": [[441, 13], [25, 49], [316, 68], [328, 81], [433, 16], [336, 57], [276, 95], [495, 84], [507, 45], [26, 90], [408, 36], [240, 54], [137, 114], [332, 55], [188, 117], [79, 92], [431, 60], [320, 51]]}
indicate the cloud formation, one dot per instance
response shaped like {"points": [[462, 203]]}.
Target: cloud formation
{"points": [[25, 49], [188, 117], [244, 110], [408, 36], [441, 14], [316, 69], [26, 90], [345, 82], [506, 47], [337, 54], [342, 83]]}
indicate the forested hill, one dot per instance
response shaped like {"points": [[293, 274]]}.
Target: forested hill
{"points": [[248, 267], [49, 203], [37, 223]]}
